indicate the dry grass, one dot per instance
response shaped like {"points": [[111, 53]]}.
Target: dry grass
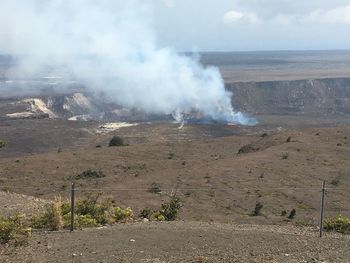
{"points": [[57, 213]]}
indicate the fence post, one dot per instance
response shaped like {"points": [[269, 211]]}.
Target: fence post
{"points": [[323, 191], [72, 200]]}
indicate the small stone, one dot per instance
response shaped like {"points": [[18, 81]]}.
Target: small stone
{"points": [[132, 240]]}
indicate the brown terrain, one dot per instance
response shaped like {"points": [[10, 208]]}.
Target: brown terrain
{"points": [[219, 171]]}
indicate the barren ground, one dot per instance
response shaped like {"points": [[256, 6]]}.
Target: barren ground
{"points": [[183, 242]]}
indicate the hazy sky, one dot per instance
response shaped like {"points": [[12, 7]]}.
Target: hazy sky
{"points": [[253, 24]]}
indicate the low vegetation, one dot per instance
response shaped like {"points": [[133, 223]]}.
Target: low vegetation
{"points": [[90, 174], [285, 156], [291, 139], [116, 141], [292, 214], [89, 212], [168, 211], [155, 188], [14, 230], [339, 224], [2, 144], [257, 209], [335, 182], [249, 148], [146, 213]]}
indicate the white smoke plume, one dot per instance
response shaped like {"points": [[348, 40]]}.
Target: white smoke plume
{"points": [[110, 47]]}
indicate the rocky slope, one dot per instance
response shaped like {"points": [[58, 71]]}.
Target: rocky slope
{"points": [[311, 97], [297, 97]]}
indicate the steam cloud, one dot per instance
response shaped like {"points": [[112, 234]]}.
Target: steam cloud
{"points": [[110, 47]]}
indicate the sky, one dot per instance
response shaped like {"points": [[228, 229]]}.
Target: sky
{"points": [[246, 25]]}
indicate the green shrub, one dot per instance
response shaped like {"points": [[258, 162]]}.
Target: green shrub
{"points": [[291, 139], [292, 214], [146, 213], [158, 216], [80, 221], [285, 156], [155, 188], [335, 182], [90, 174], [249, 148], [122, 215], [257, 209], [2, 144], [53, 217], [116, 141], [101, 211], [44, 221], [13, 229], [339, 224], [170, 210], [89, 212]]}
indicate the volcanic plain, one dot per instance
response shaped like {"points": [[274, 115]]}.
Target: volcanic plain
{"points": [[219, 171]]}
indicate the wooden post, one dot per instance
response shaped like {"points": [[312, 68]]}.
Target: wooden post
{"points": [[323, 191], [72, 200]]}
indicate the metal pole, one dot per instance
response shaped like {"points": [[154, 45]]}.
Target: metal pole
{"points": [[322, 207], [72, 208]]}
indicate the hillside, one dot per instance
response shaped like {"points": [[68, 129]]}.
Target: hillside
{"points": [[204, 167]]}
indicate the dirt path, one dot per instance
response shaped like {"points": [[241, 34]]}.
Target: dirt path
{"points": [[183, 242]]}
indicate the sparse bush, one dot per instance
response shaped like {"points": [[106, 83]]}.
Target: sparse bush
{"points": [[284, 213], [170, 210], [53, 217], [155, 188], [285, 156], [158, 216], [123, 215], [90, 174], [13, 229], [292, 214], [188, 193], [88, 213], [290, 139], [2, 144], [116, 141], [80, 221], [146, 213], [257, 209], [339, 224], [102, 211], [171, 156], [335, 182], [249, 148]]}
